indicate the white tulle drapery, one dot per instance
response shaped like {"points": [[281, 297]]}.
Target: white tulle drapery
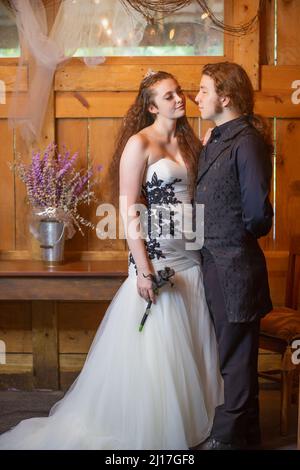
{"points": [[79, 24]]}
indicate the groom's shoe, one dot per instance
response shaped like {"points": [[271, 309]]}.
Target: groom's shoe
{"points": [[214, 444]]}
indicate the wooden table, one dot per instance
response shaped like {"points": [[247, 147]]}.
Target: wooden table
{"points": [[44, 286]]}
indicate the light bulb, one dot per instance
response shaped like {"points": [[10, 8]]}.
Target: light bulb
{"points": [[105, 23], [172, 33]]}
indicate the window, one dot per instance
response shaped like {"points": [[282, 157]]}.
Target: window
{"points": [[187, 32], [9, 40]]}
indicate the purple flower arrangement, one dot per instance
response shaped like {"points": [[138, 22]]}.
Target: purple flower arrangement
{"points": [[55, 189]]}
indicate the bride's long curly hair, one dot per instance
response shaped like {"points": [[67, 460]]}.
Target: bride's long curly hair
{"points": [[138, 117]]}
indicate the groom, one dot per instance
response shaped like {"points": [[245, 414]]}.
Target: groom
{"points": [[233, 184]]}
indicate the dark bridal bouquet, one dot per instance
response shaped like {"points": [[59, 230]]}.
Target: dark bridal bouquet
{"points": [[160, 279], [55, 188]]}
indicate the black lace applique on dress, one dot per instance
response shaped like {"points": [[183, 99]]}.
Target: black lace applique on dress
{"points": [[158, 193]]}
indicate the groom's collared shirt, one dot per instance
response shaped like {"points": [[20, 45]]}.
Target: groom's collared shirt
{"points": [[217, 134]]}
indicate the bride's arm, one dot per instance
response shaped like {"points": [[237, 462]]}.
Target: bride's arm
{"points": [[132, 166]]}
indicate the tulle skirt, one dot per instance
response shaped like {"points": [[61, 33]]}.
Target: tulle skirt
{"points": [[155, 389]]}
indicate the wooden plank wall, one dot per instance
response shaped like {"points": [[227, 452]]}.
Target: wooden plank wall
{"points": [[109, 89], [281, 68]]}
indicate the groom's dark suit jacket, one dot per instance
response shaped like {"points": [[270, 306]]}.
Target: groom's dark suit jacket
{"points": [[233, 183]]}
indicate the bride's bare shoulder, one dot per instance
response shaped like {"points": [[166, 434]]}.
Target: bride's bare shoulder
{"points": [[138, 141], [135, 152], [137, 145]]}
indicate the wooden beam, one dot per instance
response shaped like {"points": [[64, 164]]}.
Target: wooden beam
{"points": [[4, 108], [78, 77], [60, 288], [274, 98], [102, 104], [82, 255], [267, 24], [246, 47], [8, 74], [279, 77], [276, 104], [115, 105], [7, 203], [288, 51]]}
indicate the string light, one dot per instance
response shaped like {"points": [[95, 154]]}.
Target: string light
{"points": [[105, 23], [149, 8], [172, 33]]}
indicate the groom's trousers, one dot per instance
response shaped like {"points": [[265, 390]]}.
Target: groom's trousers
{"points": [[237, 420]]}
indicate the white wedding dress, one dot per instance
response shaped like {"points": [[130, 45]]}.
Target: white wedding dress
{"points": [[155, 389]]}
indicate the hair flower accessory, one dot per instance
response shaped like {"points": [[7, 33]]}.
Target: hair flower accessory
{"points": [[149, 73]]}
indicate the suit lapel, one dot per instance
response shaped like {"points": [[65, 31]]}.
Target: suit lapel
{"points": [[205, 165]]}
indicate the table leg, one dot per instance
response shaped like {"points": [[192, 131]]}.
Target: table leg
{"points": [[45, 344]]}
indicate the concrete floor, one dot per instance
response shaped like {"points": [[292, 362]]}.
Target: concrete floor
{"points": [[16, 405]]}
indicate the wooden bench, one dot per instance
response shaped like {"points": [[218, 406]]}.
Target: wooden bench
{"points": [[43, 286]]}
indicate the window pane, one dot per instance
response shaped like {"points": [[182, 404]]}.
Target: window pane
{"points": [[187, 32], [9, 40]]}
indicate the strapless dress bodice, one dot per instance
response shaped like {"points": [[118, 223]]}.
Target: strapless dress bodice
{"points": [[167, 219]]}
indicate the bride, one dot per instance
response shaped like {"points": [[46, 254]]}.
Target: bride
{"points": [[156, 388]]}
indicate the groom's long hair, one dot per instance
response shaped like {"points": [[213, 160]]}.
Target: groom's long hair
{"points": [[231, 80], [138, 117]]}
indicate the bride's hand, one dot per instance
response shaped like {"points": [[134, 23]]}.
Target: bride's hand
{"points": [[144, 286]]}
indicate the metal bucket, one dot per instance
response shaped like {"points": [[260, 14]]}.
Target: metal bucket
{"points": [[52, 240]]}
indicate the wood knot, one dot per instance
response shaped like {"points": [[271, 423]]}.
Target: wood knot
{"points": [[291, 126]]}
